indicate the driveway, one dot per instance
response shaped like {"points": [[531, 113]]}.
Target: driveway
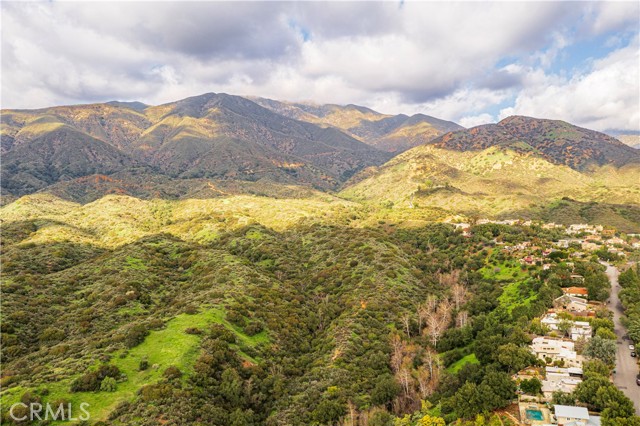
{"points": [[626, 368]]}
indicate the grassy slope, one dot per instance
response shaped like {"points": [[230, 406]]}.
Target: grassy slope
{"points": [[162, 348], [496, 183]]}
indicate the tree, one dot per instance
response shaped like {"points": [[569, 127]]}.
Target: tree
{"points": [[467, 401], [459, 294], [609, 397], [587, 390], [607, 334], [513, 357], [385, 390], [406, 321], [438, 321], [502, 390], [329, 411], [563, 398], [596, 366], [634, 329], [602, 349], [531, 386], [564, 326]]}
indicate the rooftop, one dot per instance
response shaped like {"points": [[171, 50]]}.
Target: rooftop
{"points": [[571, 412]]}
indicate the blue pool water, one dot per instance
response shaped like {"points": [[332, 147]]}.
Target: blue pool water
{"points": [[534, 414]]}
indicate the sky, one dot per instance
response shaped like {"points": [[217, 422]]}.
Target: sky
{"points": [[470, 62]]}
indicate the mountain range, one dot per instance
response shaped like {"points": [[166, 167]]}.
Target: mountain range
{"points": [[214, 145]]}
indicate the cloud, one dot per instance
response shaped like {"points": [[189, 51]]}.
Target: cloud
{"points": [[476, 120], [605, 97], [459, 61]]}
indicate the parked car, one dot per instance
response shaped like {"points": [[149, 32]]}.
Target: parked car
{"points": [[638, 382], [633, 354], [631, 347]]}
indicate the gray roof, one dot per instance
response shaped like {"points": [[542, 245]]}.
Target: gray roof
{"points": [[571, 411], [594, 421]]}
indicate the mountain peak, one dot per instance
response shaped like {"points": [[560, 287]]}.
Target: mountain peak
{"points": [[554, 140]]}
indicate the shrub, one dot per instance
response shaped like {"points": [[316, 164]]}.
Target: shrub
{"points": [[155, 392], [254, 328], [86, 383], [108, 384], [172, 372], [136, 335], [144, 364]]}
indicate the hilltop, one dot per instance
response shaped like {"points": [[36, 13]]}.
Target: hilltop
{"points": [[554, 140]]}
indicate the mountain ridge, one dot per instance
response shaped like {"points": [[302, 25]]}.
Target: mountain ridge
{"points": [[555, 140]]}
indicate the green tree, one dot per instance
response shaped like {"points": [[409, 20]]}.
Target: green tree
{"points": [[587, 390], [531, 386], [385, 390], [596, 366], [514, 358], [602, 349]]}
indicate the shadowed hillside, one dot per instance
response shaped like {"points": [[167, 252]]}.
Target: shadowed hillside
{"points": [[210, 136], [392, 133]]}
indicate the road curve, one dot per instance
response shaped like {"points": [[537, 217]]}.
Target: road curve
{"points": [[626, 367]]}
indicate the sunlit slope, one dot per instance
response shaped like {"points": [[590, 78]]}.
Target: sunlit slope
{"points": [[492, 181]]}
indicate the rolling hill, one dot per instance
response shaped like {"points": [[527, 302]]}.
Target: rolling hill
{"points": [[510, 170]]}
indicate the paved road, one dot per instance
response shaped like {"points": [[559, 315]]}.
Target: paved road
{"points": [[626, 368]]}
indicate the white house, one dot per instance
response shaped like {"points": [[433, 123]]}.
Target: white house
{"points": [[548, 348], [567, 415], [578, 328], [581, 329]]}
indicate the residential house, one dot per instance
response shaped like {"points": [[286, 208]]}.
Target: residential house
{"points": [[579, 329], [571, 371], [590, 246], [571, 304], [576, 291], [568, 415], [559, 383], [556, 350]]}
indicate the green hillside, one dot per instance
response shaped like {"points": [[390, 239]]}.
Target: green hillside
{"points": [[498, 182]]}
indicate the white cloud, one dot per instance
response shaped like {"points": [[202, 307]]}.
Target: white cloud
{"points": [[436, 58], [476, 120], [605, 97]]}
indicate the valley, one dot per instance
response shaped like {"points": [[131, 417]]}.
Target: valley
{"points": [[223, 260]]}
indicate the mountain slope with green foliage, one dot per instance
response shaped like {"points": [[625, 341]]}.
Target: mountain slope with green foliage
{"points": [[556, 141], [209, 136], [497, 182]]}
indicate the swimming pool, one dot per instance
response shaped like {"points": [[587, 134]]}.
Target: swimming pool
{"points": [[534, 414]]}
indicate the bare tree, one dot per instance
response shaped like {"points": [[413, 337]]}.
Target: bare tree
{"points": [[397, 347], [459, 293], [406, 321], [448, 280], [438, 321], [462, 318]]}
